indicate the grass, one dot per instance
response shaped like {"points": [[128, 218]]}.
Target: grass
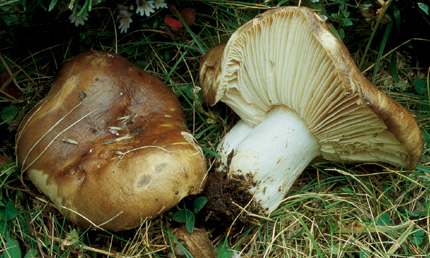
{"points": [[333, 210]]}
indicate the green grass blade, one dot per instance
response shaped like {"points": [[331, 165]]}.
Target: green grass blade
{"points": [[369, 42], [381, 49], [308, 232]]}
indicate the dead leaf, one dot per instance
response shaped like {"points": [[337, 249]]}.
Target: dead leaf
{"points": [[172, 22], [197, 243], [187, 14]]}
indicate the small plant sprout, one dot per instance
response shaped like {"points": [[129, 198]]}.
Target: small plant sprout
{"points": [[188, 217], [145, 7]]}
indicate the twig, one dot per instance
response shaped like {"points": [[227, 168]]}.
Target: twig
{"points": [[11, 74], [89, 221], [122, 154], [243, 209], [52, 141]]}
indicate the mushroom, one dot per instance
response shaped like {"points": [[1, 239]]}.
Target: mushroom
{"points": [[108, 144], [299, 96]]}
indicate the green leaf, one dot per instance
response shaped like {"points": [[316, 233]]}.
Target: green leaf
{"points": [[199, 203], [12, 249], [419, 236], [32, 253], [8, 212], [189, 224], [424, 8], [418, 213], [189, 94], [224, 250], [52, 5], [185, 216], [420, 85], [7, 114], [384, 220], [347, 22], [181, 215], [11, 212], [142, 64]]}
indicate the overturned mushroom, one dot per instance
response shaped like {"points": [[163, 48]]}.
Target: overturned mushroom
{"points": [[108, 145], [299, 96]]}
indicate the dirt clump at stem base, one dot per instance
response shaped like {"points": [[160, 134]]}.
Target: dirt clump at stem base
{"points": [[227, 198]]}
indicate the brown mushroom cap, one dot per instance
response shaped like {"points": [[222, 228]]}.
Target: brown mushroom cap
{"points": [[288, 57], [108, 144]]}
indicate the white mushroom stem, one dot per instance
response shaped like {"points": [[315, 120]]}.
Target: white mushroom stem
{"points": [[269, 156]]}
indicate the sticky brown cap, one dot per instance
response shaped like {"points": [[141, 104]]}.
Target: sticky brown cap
{"points": [[108, 144]]}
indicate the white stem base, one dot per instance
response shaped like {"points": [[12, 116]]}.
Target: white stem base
{"points": [[269, 156]]}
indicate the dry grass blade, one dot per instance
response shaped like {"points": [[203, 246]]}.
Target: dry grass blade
{"points": [[65, 244], [25, 166]]}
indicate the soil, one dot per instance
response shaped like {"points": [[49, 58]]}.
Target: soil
{"points": [[224, 196]]}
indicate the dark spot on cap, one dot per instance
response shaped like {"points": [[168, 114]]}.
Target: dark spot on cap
{"points": [[135, 130], [144, 181], [160, 167], [82, 95]]}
